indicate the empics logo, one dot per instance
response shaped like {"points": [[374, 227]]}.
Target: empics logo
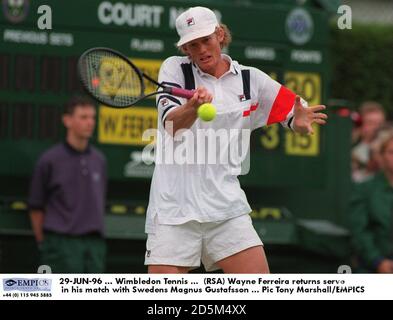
{"points": [[10, 283], [24, 284], [190, 22]]}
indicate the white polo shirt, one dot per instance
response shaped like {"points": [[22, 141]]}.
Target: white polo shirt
{"points": [[195, 176]]}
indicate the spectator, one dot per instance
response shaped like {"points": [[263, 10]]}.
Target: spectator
{"points": [[372, 119], [67, 197], [375, 162], [371, 216]]}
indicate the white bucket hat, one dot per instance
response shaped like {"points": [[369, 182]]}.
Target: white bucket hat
{"points": [[196, 22]]}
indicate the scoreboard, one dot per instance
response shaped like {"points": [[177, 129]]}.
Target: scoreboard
{"points": [[289, 42], [38, 73]]}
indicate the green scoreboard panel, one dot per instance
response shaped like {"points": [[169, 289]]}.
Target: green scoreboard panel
{"points": [[38, 75], [291, 175]]}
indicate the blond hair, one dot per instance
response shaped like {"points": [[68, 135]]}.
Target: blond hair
{"points": [[369, 107], [227, 36]]}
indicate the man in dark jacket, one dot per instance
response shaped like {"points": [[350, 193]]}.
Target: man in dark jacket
{"points": [[371, 216]]}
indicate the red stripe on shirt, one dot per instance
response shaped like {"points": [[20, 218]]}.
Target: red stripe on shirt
{"points": [[282, 105], [254, 106]]}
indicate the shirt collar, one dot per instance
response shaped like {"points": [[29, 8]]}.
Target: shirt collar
{"points": [[233, 66], [75, 151]]}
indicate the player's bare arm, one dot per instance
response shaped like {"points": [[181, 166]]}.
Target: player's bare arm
{"points": [[305, 117], [184, 116]]}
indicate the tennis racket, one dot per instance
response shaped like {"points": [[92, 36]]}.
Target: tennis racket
{"points": [[112, 79]]}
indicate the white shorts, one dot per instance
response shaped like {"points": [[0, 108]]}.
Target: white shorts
{"points": [[186, 245]]}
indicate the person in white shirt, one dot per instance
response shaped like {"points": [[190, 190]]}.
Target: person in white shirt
{"points": [[197, 210]]}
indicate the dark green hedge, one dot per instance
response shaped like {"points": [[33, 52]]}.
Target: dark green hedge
{"points": [[363, 64]]}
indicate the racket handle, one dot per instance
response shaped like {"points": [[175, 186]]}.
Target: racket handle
{"points": [[183, 93]]}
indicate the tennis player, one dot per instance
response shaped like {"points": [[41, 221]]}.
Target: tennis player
{"points": [[197, 211]]}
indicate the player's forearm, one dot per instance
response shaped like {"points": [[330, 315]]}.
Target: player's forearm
{"points": [[182, 117], [37, 223]]}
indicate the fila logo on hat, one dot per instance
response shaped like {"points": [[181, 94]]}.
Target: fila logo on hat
{"points": [[190, 21]]}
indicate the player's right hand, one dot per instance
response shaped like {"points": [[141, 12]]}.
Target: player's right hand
{"points": [[201, 96]]}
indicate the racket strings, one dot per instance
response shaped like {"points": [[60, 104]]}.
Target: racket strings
{"points": [[111, 79]]}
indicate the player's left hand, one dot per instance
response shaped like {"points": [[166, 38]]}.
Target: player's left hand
{"points": [[305, 117]]}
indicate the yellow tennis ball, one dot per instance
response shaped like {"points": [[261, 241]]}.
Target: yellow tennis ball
{"points": [[207, 112]]}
